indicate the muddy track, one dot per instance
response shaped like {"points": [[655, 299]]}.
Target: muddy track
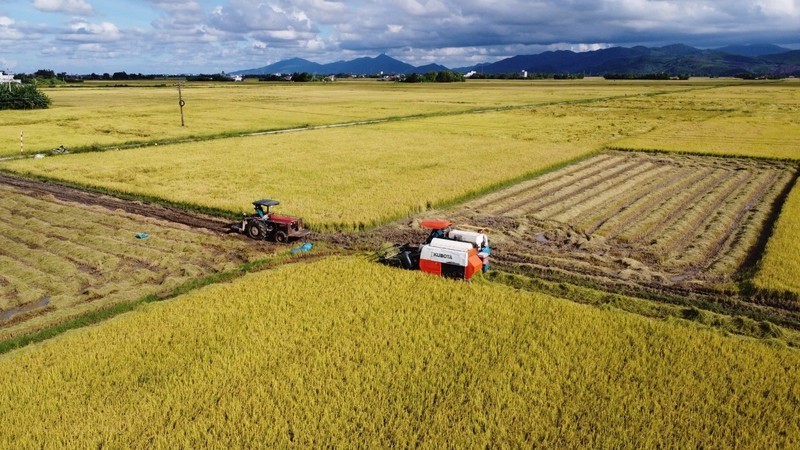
{"points": [[63, 192]]}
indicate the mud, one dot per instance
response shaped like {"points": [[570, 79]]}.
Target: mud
{"points": [[63, 192]]}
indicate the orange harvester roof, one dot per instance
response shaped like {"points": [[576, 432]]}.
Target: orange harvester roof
{"points": [[435, 224]]}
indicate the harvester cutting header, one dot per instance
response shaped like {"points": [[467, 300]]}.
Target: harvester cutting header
{"points": [[446, 252]]}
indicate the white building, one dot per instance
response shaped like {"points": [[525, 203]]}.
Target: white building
{"points": [[7, 79]]}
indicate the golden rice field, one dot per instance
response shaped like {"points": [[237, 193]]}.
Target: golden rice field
{"points": [[356, 177], [343, 352], [779, 268], [107, 116], [758, 120], [60, 260], [350, 178]]}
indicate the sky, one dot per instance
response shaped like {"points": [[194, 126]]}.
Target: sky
{"points": [[211, 36]]}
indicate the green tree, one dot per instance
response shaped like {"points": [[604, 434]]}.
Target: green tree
{"points": [[25, 96]]}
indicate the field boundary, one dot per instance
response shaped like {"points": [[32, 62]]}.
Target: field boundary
{"points": [[128, 145], [657, 151], [708, 314]]}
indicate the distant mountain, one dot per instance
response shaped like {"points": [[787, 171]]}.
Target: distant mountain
{"points": [[677, 59], [431, 68], [674, 59], [381, 63], [753, 49], [360, 66], [288, 66]]}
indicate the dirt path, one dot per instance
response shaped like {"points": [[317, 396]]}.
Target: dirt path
{"points": [[63, 192]]}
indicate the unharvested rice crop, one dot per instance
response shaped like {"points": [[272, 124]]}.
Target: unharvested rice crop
{"points": [[350, 178], [60, 260], [343, 352], [628, 217], [758, 120], [779, 269], [107, 116]]}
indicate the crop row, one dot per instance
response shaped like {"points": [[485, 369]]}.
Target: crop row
{"points": [[60, 260], [779, 267], [671, 218]]}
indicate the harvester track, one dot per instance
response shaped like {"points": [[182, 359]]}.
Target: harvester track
{"points": [[68, 193]]}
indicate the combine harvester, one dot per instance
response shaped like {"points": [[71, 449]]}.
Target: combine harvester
{"points": [[448, 253]]}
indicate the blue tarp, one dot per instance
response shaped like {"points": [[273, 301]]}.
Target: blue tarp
{"points": [[303, 248]]}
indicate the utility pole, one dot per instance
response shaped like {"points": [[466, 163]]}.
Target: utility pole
{"points": [[180, 101]]}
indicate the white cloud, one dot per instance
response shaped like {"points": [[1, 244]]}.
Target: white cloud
{"points": [[8, 31], [93, 48], [246, 33], [64, 6], [82, 31]]}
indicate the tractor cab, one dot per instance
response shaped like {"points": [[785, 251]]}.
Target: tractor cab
{"points": [[259, 206]]}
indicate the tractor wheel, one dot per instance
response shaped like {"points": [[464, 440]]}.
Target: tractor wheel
{"points": [[256, 230], [281, 237]]}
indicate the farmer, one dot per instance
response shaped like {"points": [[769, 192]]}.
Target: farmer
{"points": [[483, 253]]}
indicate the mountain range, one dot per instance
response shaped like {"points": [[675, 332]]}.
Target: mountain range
{"points": [[675, 59]]}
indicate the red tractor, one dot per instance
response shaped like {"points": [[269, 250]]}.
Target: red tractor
{"points": [[266, 225]]}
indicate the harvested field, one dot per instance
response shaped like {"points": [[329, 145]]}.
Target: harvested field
{"points": [[636, 219], [61, 259]]}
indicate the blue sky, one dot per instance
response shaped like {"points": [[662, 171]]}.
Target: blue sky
{"points": [[192, 36]]}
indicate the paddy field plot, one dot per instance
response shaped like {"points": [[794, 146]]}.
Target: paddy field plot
{"points": [[108, 116], [356, 177], [393, 358], [635, 218], [60, 260], [758, 120], [779, 267]]}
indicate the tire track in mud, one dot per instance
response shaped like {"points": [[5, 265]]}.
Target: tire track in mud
{"points": [[70, 194]]}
